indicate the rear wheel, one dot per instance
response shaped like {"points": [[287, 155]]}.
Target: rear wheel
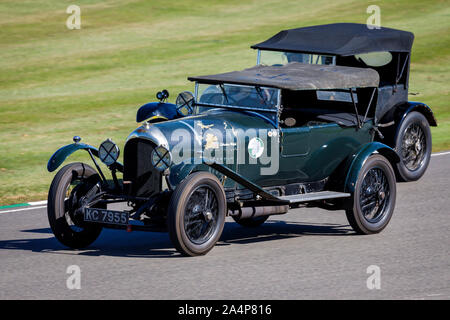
{"points": [[413, 145], [374, 196], [69, 186], [196, 214]]}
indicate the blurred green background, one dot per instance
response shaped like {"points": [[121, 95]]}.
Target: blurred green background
{"points": [[56, 83]]}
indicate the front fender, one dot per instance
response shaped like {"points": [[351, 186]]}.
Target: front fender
{"points": [[157, 111], [359, 158], [180, 171], [62, 153]]}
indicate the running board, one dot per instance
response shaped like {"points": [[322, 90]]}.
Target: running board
{"points": [[295, 198], [314, 196]]}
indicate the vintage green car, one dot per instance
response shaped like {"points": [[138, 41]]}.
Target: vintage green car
{"points": [[248, 144]]}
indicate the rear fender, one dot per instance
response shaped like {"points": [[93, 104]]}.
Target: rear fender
{"points": [[393, 120], [410, 107], [358, 159], [419, 107]]}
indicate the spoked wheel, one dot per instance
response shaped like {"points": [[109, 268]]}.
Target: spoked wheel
{"points": [[196, 214], [374, 197], [413, 144], [66, 193]]}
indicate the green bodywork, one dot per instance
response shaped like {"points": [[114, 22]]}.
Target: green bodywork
{"points": [[62, 153], [305, 153], [214, 122], [356, 162], [324, 148]]}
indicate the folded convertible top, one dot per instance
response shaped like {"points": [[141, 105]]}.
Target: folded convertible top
{"points": [[297, 76]]}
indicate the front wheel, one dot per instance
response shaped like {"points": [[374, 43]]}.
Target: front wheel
{"points": [[69, 186], [413, 145], [196, 214], [374, 196]]}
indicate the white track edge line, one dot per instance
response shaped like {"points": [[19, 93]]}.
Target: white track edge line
{"points": [[38, 203], [440, 154], [23, 209]]}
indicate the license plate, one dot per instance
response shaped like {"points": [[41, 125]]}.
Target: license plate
{"points": [[106, 216]]}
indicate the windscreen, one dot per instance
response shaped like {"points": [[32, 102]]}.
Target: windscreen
{"points": [[237, 96]]}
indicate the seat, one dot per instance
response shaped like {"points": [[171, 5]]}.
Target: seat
{"points": [[342, 118], [304, 116]]}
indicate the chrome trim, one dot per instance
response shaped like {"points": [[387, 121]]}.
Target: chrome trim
{"points": [[196, 91], [388, 124], [150, 133], [236, 107]]}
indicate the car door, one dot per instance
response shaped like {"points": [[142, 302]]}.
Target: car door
{"points": [[294, 152], [313, 153]]}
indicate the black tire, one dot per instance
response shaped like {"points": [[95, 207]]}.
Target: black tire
{"points": [[251, 222], [68, 228], [187, 213], [374, 196], [413, 145]]}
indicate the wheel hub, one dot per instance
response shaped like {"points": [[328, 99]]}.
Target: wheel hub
{"points": [[200, 218], [375, 194], [413, 147], [208, 215], [418, 147]]}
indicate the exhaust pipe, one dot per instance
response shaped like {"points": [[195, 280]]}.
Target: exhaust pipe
{"points": [[252, 212]]}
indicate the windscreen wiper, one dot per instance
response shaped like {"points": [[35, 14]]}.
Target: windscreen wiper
{"points": [[259, 91], [223, 92]]}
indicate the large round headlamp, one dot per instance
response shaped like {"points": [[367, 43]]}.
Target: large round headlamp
{"points": [[108, 152], [161, 158]]}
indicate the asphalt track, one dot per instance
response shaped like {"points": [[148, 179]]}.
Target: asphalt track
{"points": [[306, 254]]}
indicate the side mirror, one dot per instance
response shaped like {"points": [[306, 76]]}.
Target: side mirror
{"points": [[185, 103]]}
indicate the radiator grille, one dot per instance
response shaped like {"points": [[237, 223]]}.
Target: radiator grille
{"points": [[145, 179]]}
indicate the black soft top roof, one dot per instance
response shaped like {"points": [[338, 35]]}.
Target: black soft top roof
{"points": [[343, 39], [297, 76]]}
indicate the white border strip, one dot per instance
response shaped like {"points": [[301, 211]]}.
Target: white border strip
{"points": [[38, 203], [23, 209], [440, 154]]}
